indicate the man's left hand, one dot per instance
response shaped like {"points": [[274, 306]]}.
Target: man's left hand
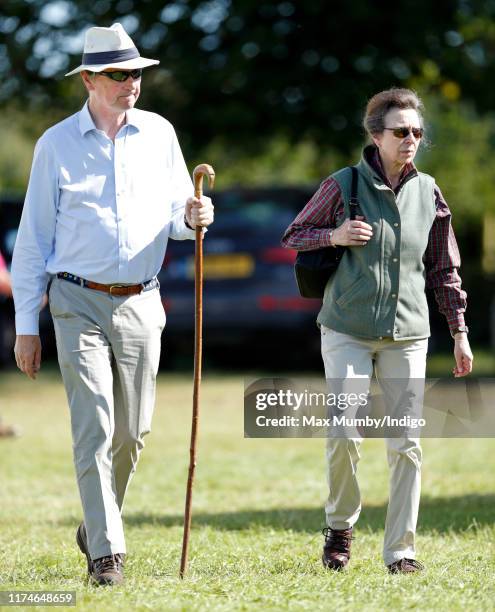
{"points": [[463, 355], [199, 211]]}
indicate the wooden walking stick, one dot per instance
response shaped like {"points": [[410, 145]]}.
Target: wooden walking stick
{"points": [[198, 174]]}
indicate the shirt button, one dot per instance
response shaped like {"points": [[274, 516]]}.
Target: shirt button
{"points": [[396, 225], [394, 295], [394, 259], [380, 337], [389, 331]]}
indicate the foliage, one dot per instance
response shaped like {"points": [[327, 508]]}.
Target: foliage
{"points": [[15, 155], [249, 70], [278, 162], [269, 92], [459, 156]]}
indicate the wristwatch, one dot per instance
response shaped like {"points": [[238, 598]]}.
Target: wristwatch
{"points": [[462, 328]]}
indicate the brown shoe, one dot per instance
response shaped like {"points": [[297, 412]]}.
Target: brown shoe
{"points": [[82, 542], [337, 548], [108, 570], [405, 566]]}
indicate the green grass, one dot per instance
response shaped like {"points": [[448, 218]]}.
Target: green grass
{"points": [[255, 542], [440, 365]]}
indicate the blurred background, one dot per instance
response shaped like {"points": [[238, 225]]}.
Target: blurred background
{"points": [[272, 95]]}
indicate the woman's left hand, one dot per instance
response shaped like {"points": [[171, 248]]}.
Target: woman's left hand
{"points": [[463, 355]]}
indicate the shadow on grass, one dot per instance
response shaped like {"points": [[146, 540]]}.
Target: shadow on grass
{"points": [[439, 514]]}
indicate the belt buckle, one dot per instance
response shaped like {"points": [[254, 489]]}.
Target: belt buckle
{"points": [[116, 286]]}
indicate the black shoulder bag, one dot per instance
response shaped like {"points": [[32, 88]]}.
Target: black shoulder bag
{"points": [[314, 268]]}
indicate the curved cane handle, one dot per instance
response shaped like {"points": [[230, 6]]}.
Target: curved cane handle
{"points": [[198, 174]]}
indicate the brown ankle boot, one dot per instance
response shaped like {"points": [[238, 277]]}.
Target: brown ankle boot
{"points": [[103, 571], [108, 570], [337, 548], [405, 566]]}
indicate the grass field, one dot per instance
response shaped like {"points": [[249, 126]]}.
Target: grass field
{"points": [[256, 540]]}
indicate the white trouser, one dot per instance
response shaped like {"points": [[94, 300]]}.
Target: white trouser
{"points": [[108, 351], [348, 358]]}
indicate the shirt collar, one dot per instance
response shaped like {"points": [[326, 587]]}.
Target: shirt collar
{"points": [[133, 117], [86, 123], [372, 156]]}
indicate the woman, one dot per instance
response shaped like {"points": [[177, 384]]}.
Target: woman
{"points": [[375, 312]]}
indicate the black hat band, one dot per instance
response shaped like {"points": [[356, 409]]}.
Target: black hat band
{"points": [[109, 57]]}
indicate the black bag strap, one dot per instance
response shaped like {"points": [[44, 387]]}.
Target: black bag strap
{"points": [[354, 203]]}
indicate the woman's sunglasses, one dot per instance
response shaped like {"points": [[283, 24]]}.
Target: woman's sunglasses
{"points": [[403, 132], [122, 75]]}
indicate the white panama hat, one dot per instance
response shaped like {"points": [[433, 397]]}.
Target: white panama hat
{"points": [[110, 48]]}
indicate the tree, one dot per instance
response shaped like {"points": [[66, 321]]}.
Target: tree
{"points": [[247, 70]]}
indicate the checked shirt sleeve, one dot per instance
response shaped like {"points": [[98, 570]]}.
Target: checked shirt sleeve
{"points": [[311, 228], [442, 261]]}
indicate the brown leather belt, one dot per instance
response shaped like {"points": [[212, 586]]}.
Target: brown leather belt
{"points": [[113, 289], [119, 290]]}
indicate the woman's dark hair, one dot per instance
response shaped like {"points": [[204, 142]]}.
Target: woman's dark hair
{"points": [[379, 105]]}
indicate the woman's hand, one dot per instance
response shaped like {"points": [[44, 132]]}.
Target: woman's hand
{"points": [[352, 233], [463, 355]]}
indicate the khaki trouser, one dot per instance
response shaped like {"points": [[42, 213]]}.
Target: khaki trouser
{"points": [[347, 357], [108, 351]]}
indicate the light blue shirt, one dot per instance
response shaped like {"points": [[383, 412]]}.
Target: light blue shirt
{"points": [[101, 210]]}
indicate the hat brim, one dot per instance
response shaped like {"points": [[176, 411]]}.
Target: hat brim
{"points": [[132, 64]]}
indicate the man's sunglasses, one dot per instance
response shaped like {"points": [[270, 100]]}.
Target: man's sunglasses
{"points": [[122, 75], [402, 132]]}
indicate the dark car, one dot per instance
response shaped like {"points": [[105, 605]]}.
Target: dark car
{"points": [[252, 308], [253, 313]]}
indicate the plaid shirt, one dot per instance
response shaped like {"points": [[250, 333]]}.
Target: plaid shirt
{"points": [[311, 230]]}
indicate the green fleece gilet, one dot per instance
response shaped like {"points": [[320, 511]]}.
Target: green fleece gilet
{"points": [[378, 290]]}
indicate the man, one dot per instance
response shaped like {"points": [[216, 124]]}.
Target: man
{"points": [[108, 187]]}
